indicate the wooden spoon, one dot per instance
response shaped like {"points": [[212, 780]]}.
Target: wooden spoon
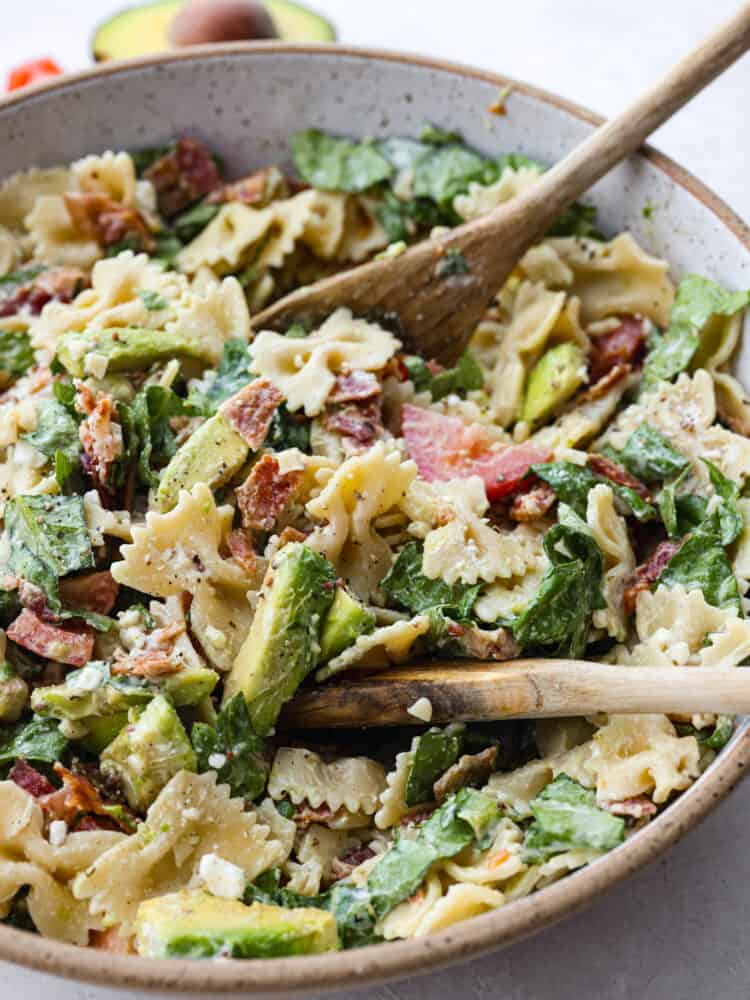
{"points": [[438, 312], [466, 691]]}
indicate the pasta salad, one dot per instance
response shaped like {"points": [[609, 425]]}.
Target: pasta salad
{"points": [[199, 517]]}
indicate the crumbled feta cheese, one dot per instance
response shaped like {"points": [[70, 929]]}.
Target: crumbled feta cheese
{"points": [[221, 877], [73, 730], [95, 364], [192, 815], [58, 832], [26, 454], [217, 761], [87, 679], [421, 709]]}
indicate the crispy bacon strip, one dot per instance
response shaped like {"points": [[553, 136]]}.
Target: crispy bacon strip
{"points": [[241, 547], [343, 867], [90, 592], [648, 573], [111, 940], [251, 410], [69, 643], [355, 386], [603, 466], [361, 422], [256, 189], [534, 504], [602, 386], [470, 769], [28, 778], [621, 346], [78, 796], [635, 808], [100, 435], [266, 492], [183, 176], [155, 658], [108, 222]]}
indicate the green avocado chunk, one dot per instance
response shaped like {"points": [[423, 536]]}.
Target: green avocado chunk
{"points": [[552, 381], [282, 646], [150, 750], [345, 623], [127, 349], [194, 924], [92, 692], [102, 729], [14, 695], [141, 30], [212, 455]]}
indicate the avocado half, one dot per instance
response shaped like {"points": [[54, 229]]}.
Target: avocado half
{"points": [[142, 30]]}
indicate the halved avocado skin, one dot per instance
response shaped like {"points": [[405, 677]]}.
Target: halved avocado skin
{"points": [[144, 29]]}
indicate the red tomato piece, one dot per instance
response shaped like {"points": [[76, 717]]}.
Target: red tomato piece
{"points": [[447, 448], [34, 71]]}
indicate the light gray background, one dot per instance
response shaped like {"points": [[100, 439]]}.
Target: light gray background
{"points": [[680, 928]]}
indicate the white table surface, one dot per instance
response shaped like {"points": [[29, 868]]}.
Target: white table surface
{"points": [[678, 929]]}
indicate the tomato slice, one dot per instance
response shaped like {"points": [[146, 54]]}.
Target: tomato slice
{"points": [[34, 71], [447, 448]]}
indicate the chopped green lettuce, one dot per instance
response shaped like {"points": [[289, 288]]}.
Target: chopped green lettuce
{"points": [[56, 436], [244, 767], [408, 586], [436, 751], [193, 221], [650, 457], [572, 484], [16, 354], [567, 818], [38, 740], [334, 164], [697, 300], [232, 375], [730, 518], [48, 539], [152, 410], [465, 377], [288, 430], [701, 563], [559, 616]]}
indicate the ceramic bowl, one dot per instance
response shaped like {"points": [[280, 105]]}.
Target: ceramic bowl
{"points": [[245, 100]]}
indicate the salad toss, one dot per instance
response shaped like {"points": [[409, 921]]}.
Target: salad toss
{"points": [[196, 521]]}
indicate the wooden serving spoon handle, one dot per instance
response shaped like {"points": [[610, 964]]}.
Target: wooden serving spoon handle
{"points": [[465, 691], [438, 310]]}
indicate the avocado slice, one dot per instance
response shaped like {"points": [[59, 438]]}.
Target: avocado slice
{"points": [[193, 924], [102, 729], [212, 455], [347, 620], [127, 349], [282, 646], [14, 694], [148, 752], [138, 31], [91, 692], [552, 381]]}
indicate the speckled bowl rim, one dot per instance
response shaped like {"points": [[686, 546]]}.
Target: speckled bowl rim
{"points": [[378, 963]]}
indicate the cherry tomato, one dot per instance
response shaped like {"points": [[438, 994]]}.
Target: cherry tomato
{"points": [[34, 71]]}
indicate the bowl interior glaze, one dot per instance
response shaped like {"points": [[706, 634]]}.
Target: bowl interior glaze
{"points": [[245, 100]]}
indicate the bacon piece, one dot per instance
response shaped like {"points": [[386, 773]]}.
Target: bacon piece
{"points": [[636, 808], [621, 346], [251, 410], [90, 592], [290, 534], [534, 504], [111, 940], [447, 448], [28, 778], [266, 492], [343, 867], [107, 221], [183, 176], [360, 422], [603, 466], [155, 658], [69, 643], [354, 386], [648, 573], [59, 284], [486, 644], [241, 547], [305, 814], [470, 769], [256, 189], [78, 796], [100, 435], [602, 386], [91, 822]]}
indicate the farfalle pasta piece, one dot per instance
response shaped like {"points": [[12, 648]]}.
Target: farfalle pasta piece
{"points": [[502, 860], [676, 627], [465, 547], [363, 488], [506, 598], [517, 788], [610, 532], [460, 902], [20, 192], [352, 782], [582, 422], [192, 816], [211, 317], [55, 238], [11, 251], [363, 233], [610, 278], [27, 859], [404, 921], [379, 648], [483, 198], [393, 807], [305, 369], [538, 876], [320, 845]]}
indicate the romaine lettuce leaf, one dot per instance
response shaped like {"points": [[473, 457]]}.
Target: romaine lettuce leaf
{"points": [[151, 411], [567, 818], [650, 457], [232, 375], [56, 436], [245, 769], [702, 563], [16, 354], [572, 484], [38, 740], [408, 586], [436, 751], [334, 164], [697, 300]]}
